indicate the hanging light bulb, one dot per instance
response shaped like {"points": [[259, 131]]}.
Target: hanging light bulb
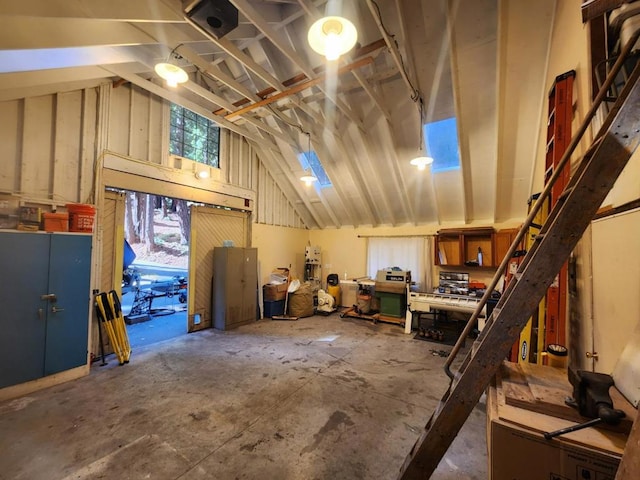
{"points": [[308, 178], [422, 160], [332, 36], [173, 74]]}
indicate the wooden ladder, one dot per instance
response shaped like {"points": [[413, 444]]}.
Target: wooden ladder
{"points": [[594, 177]]}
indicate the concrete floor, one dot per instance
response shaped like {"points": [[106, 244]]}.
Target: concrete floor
{"points": [[319, 398]]}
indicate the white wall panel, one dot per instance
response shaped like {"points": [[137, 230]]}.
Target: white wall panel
{"points": [[37, 145], [119, 120], [88, 151], [67, 145], [10, 139], [158, 140], [242, 167], [140, 124], [49, 146]]}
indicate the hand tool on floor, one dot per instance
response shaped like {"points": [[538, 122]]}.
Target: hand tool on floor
{"points": [[591, 398]]}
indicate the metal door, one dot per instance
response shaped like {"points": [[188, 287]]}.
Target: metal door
{"points": [[24, 263], [69, 310], [210, 227]]}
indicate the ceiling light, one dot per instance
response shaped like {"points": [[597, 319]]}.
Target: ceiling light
{"points": [[172, 73], [421, 162], [202, 174], [308, 179], [332, 36]]}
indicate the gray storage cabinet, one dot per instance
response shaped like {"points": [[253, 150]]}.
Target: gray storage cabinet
{"points": [[235, 286], [45, 300]]}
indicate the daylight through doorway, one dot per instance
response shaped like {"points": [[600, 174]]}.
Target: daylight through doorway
{"points": [[155, 267]]}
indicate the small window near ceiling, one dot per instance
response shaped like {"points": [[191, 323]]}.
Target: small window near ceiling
{"points": [[194, 137], [442, 144], [310, 161]]}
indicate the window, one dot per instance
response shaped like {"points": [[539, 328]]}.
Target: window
{"points": [[442, 144], [194, 137], [408, 253], [310, 161]]}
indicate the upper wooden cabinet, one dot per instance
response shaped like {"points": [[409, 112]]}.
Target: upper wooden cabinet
{"points": [[470, 247], [502, 240], [460, 247]]}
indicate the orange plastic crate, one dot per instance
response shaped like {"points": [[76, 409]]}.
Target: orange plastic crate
{"points": [[56, 222]]}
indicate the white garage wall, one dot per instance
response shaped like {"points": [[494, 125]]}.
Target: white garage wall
{"points": [[52, 144], [49, 146]]}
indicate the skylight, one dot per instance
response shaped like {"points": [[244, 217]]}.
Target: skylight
{"points": [[441, 139], [310, 161]]}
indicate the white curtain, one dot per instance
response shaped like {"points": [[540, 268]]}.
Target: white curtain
{"points": [[406, 253]]}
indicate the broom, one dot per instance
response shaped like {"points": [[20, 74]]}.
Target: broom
{"points": [[293, 286]]}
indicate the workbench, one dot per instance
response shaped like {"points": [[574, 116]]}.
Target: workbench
{"points": [[526, 401]]}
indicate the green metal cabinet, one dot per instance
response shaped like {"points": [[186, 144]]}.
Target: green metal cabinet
{"points": [[45, 303]]}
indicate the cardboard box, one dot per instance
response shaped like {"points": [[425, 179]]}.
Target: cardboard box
{"points": [[272, 291], [519, 453], [280, 275]]}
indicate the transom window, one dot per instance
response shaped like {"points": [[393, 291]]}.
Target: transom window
{"points": [[194, 137]]}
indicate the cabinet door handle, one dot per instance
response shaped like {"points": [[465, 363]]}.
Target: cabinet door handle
{"points": [[50, 297], [41, 313], [55, 309]]}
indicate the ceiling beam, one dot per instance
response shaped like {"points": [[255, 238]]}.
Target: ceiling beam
{"points": [[465, 176], [366, 50], [358, 177], [290, 187], [274, 37], [316, 15], [298, 88], [319, 147], [367, 169], [119, 10], [234, 52], [174, 97], [393, 49]]}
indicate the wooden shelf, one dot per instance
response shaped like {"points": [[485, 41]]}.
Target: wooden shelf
{"points": [[454, 247]]}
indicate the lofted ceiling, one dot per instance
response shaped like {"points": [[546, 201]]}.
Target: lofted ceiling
{"points": [[480, 61]]}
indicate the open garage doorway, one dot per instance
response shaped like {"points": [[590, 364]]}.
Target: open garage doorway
{"points": [[155, 268]]}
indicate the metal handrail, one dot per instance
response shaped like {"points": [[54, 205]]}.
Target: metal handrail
{"points": [[600, 97]]}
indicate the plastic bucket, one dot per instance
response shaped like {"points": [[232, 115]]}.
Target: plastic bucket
{"points": [[81, 217]]}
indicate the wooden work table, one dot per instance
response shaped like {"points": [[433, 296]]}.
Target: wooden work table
{"points": [[527, 401]]}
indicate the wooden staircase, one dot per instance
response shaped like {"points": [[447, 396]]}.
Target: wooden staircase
{"points": [[594, 177]]}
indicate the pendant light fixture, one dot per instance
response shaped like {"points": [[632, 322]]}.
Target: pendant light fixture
{"points": [[308, 178], [422, 160], [332, 35], [172, 73]]}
